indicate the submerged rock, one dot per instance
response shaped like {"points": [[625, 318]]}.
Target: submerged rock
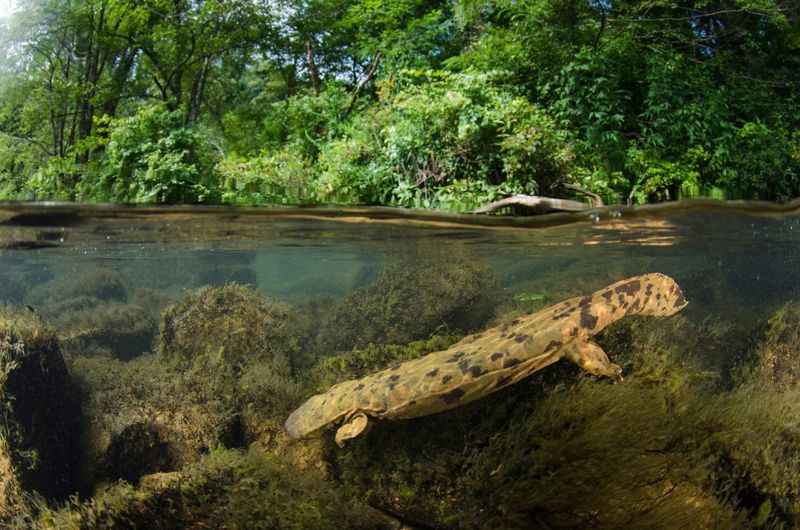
{"points": [[118, 329], [142, 418], [228, 489], [778, 352], [409, 302], [40, 410], [222, 378], [224, 328]]}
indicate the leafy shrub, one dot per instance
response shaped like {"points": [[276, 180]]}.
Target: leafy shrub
{"points": [[154, 156], [433, 130]]}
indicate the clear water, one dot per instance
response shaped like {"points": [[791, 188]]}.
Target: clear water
{"points": [[737, 264]]}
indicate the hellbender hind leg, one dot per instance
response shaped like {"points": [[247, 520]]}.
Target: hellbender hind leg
{"points": [[591, 358], [355, 425]]}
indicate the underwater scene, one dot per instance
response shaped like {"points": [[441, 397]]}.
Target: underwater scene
{"points": [[314, 368]]}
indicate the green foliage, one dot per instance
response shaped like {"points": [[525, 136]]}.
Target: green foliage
{"points": [[153, 156], [436, 132], [423, 103]]}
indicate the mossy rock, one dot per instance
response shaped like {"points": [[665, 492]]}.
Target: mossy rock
{"points": [[225, 328], [410, 301], [40, 410], [777, 354], [99, 284], [228, 489], [359, 363], [140, 418], [120, 329]]}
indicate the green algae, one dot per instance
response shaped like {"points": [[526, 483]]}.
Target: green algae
{"points": [[224, 328], [39, 410], [227, 489], [683, 440], [409, 301]]}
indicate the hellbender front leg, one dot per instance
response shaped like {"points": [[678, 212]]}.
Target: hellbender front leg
{"points": [[352, 427], [591, 358]]}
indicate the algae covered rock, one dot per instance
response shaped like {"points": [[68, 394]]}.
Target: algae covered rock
{"points": [[778, 351], [117, 329], [40, 411], [228, 489], [408, 302], [222, 378], [224, 328], [140, 418]]}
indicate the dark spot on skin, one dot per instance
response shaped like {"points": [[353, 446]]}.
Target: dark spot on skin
{"points": [[574, 332], [552, 345], [649, 290], [607, 295], [455, 357], [359, 386], [394, 378], [516, 321], [463, 366], [586, 301], [658, 296], [508, 363], [412, 402], [495, 356], [446, 378], [621, 299], [521, 338], [633, 308], [433, 372], [453, 396], [503, 381], [475, 371], [630, 288], [588, 320], [395, 366], [561, 315]]}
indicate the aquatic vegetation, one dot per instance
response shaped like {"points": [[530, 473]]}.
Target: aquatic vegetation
{"points": [[409, 301], [39, 412], [101, 284], [139, 417], [777, 355], [227, 489], [118, 329], [361, 362], [223, 328]]}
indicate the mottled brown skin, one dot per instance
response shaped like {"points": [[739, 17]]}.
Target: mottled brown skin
{"points": [[485, 362]]}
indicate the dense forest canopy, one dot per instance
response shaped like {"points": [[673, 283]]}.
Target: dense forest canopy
{"points": [[433, 103]]}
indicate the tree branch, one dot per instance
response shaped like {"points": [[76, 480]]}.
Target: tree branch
{"points": [[376, 59]]}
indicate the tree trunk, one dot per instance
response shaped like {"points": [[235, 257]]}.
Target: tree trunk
{"points": [[312, 66]]}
